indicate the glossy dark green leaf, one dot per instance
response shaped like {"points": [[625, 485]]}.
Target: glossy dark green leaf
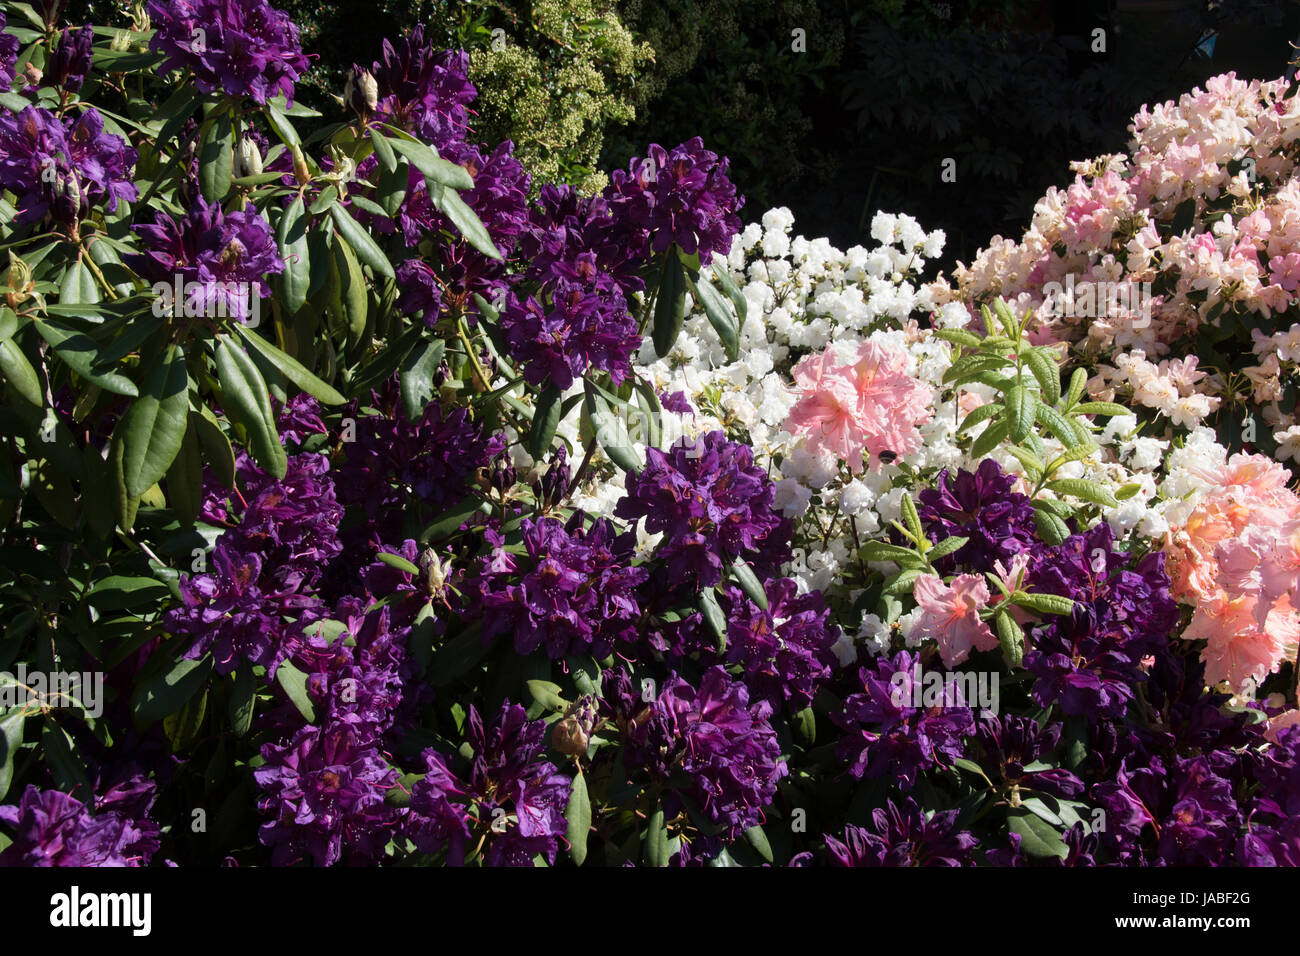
{"points": [[166, 692], [749, 582], [19, 374], [433, 166], [359, 239], [720, 315], [670, 304], [80, 352], [416, 377], [1038, 838], [185, 477], [153, 428], [546, 419], [292, 369], [577, 818], [217, 159], [383, 151], [11, 739], [246, 402], [467, 221], [654, 842], [294, 683], [243, 701], [291, 236], [78, 286]]}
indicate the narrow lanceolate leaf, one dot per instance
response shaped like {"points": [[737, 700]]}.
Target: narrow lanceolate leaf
{"points": [[883, 551], [1065, 429], [731, 290], [383, 151], [294, 683], [1046, 372], [1009, 321], [1077, 383], [416, 377], [749, 583], [946, 547], [720, 316], [78, 286], [467, 221], [185, 476], [359, 239], [959, 337], [18, 372], [1010, 637], [670, 306], [713, 616], [79, 352], [913, 519], [758, 840], [1021, 404], [610, 433], [1050, 528], [1100, 408], [1032, 465], [292, 369], [654, 846], [1043, 603], [153, 428], [1098, 494], [990, 438], [291, 236], [247, 403], [977, 415], [577, 819], [546, 419], [217, 159], [433, 166], [283, 128], [971, 365]]}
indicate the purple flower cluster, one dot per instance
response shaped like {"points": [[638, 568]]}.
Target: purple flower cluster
{"points": [[266, 569], [1090, 661], [712, 503], [222, 258], [519, 796], [682, 197], [324, 793], [8, 55], [574, 592], [239, 47], [981, 506], [785, 651], [1009, 744], [424, 91], [63, 168], [52, 828], [886, 735], [901, 834], [711, 742], [564, 225]]}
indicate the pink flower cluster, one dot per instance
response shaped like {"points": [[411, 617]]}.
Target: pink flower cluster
{"points": [[950, 615], [1237, 560], [862, 402]]}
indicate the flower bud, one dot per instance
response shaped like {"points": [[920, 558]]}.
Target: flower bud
{"points": [[248, 158], [361, 93], [568, 737], [300, 171], [68, 65]]}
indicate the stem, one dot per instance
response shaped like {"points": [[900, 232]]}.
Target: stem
{"points": [[463, 334], [94, 270]]}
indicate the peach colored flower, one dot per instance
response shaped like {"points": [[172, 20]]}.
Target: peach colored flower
{"points": [[950, 615]]}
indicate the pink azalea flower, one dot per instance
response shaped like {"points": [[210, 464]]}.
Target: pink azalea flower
{"points": [[866, 403], [950, 615]]}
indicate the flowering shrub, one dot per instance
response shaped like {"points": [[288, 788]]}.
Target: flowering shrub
{"points": [[411, 521]]}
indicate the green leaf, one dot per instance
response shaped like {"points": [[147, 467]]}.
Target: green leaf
{"points": [[720, 316], [185, 476], [902, 582], [166, 692], [80, 352], [1078, 381], [467, 221], [292, 369], [398, 562], [1047, 373], [416, 378], [577, 817], [977, 415], [216, 447], [546, 419], [1020, 404], [959, 337], [1004, 315], [1010, 637], [291, 236], [1125, 492], [654, 842], [216, 159], [383, 151], [1051, 528], [758, 840], [946, 547], [1032, 464], [908, 507], [294, 683], [1082, 488], [246, 402], [243, 701], [458, 656], [713, 616], [1043, 603], [352, 290], [78, 286], [670, 306], [19, 373], [612, 437], [1041, 810], [446, 524], [731, 290], [749, 582], [1065, 429], [182, 727], [546, 693], [883, 551], [359, 239], [990, 438], [966, 367], [432, 165], [1100, 408], [283, 128], [153, 428], [11, 739], [1038, 838]]}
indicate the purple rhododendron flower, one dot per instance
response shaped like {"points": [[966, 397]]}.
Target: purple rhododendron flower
{"points": [[324, 792], [981, 506], [8, 55], [785, 651], [422, 90], [63, 168], [52, 828], [575, 592], [885, 734], [239, 47], [901, 834], [222, 258], [68, 65], [682, 197], [710, 500]]}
